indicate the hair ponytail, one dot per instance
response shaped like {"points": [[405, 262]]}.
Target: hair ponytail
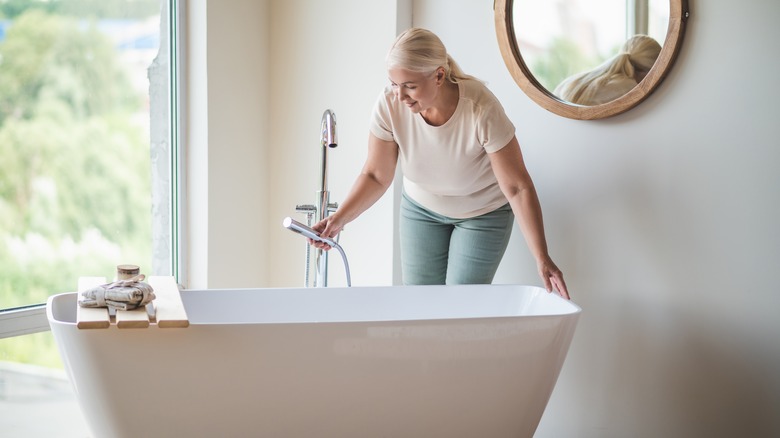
{"points": [[639, 52]]}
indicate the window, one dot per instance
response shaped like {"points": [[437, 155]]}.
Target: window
{"points": [[87, 171]]}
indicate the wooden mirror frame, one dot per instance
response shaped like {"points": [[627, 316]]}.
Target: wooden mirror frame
{"points": [[505, 31]]}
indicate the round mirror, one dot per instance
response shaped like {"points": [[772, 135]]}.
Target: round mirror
{"points": [[589, 59]]}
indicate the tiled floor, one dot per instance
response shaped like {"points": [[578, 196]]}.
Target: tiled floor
{"points": [[37, 402]]}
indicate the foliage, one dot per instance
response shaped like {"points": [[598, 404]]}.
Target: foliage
{"points": [[10, 9], [38, 348], [75, 196]]}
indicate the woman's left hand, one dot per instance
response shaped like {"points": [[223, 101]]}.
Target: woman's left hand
{"points": [[552, 277]]}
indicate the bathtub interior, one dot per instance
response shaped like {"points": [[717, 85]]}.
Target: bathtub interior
{"points": [[371, 304]]}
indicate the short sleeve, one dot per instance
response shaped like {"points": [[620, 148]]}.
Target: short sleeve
{"points": [[495, 130], [381, 124]]}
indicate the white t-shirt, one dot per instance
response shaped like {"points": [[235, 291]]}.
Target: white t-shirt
{"points": [[446, 168]]}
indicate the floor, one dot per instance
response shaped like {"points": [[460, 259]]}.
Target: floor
{"points": [[36, 402]]}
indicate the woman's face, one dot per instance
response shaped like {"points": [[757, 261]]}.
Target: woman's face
{"points": [[416, 90]]}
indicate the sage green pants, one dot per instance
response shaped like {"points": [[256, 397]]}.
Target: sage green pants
{"points": [[436, 249]]}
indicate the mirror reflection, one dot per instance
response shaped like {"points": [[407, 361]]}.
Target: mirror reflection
{"points": [[590, 52]]}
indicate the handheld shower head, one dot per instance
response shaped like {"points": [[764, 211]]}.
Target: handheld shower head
{"points": [[303, 230], [329, 136]]}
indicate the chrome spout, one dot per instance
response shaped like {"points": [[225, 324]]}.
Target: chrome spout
{"points": [[328, 139]]}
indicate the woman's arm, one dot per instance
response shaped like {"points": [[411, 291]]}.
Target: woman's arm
{"points": [[377, 175], [517, 186]]}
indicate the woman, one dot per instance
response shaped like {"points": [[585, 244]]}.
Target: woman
{"points": [[615, 77], [461, 163]]}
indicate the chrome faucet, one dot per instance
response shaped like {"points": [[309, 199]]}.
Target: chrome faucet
{"points": [[323, 207]]}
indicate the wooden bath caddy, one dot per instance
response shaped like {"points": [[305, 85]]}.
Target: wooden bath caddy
{"points": [[169, 310]]}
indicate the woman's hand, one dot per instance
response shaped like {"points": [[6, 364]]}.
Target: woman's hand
{"points": [[329, 228], [552, 277]]}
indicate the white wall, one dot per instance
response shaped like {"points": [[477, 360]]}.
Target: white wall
{"points": [[326, 55], [664, 219], [227, 188]]}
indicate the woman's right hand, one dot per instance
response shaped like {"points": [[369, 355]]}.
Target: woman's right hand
{"points": [[329, 228]]}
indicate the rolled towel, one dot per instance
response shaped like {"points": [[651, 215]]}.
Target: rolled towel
{"points": [[121, 295]]}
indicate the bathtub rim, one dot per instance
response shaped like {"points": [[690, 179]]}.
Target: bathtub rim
{"points": [[574, 311]]}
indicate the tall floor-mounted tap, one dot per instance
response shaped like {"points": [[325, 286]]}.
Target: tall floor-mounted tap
{"points": [[323, 206]]}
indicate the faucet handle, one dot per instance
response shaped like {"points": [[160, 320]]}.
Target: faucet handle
{"points": [[305, 208], [332, 207]]}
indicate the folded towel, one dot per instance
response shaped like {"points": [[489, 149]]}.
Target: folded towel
{"points": [[121, 295]]}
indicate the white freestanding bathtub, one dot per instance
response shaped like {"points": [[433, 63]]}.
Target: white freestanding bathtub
{"points": [[415, 361]]}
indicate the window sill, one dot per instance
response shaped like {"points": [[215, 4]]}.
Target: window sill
{"points": [[23, 321]]}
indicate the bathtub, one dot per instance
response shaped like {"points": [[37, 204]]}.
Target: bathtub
{"points": [[414, 361]]}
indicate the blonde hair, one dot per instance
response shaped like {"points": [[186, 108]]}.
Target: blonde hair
{"points": [[420, 50], [637, 54]]}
